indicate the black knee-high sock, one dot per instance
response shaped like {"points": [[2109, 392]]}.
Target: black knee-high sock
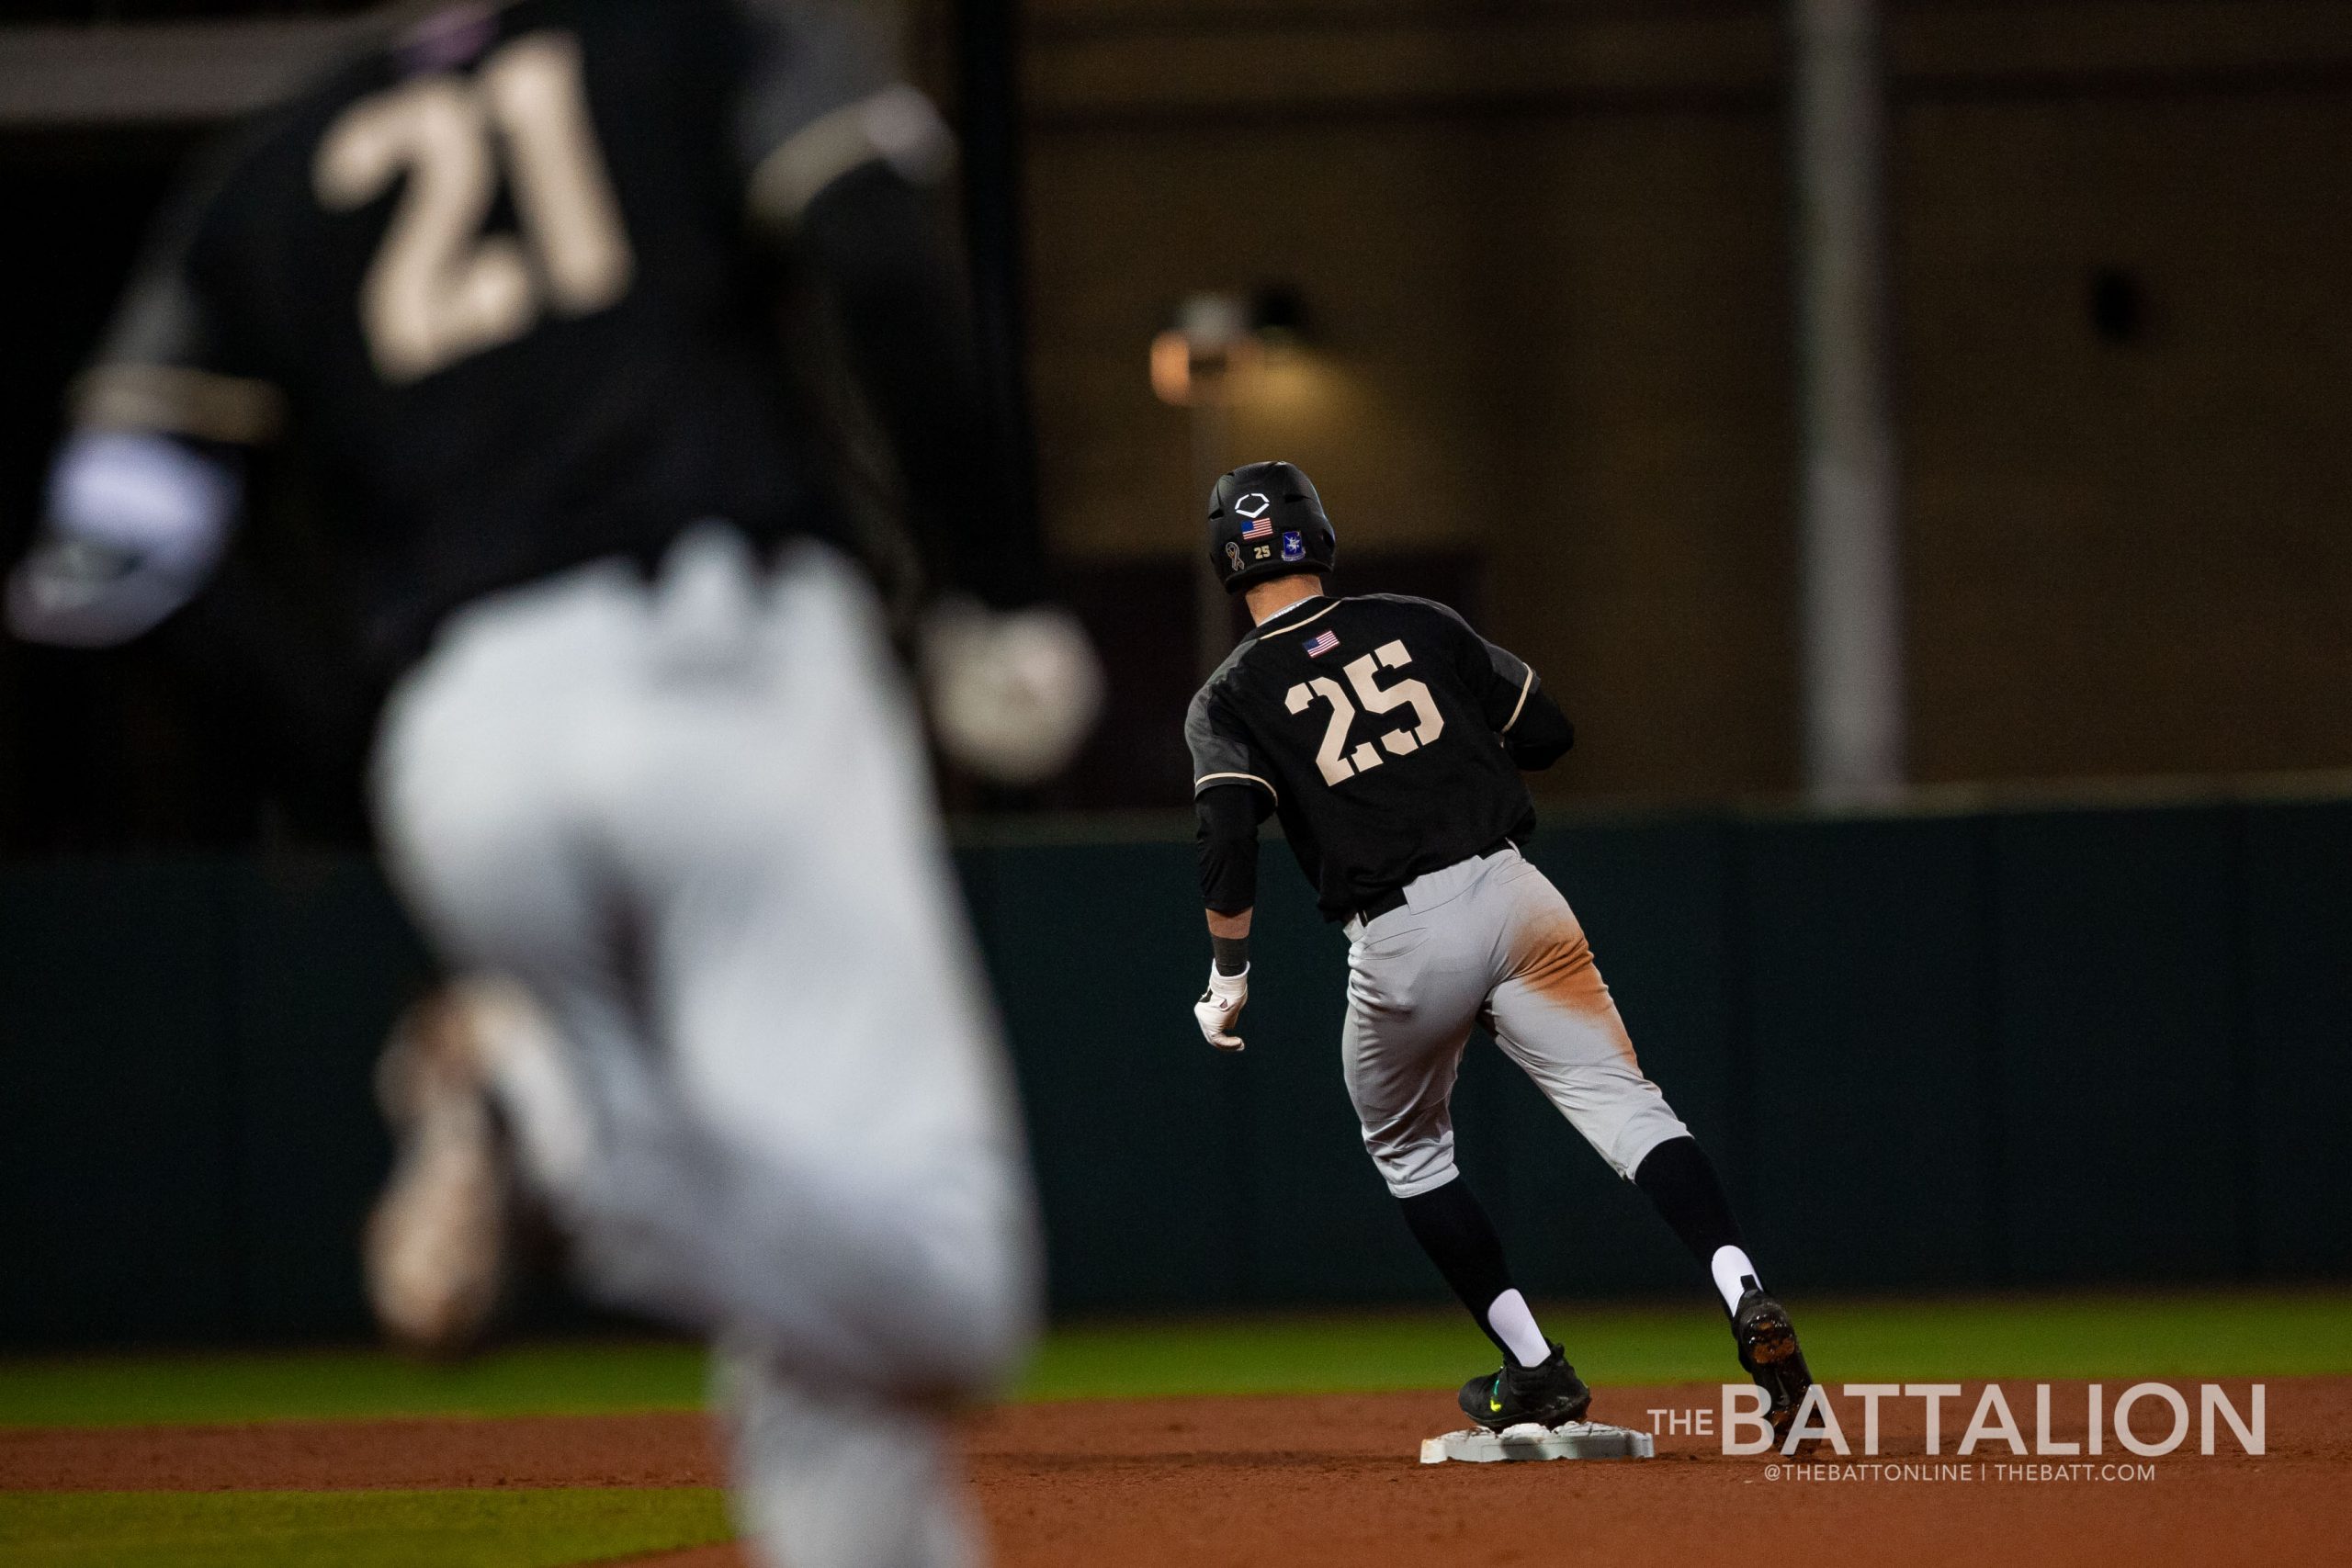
{"points": [[1455, 1231], [1681, 1181]]}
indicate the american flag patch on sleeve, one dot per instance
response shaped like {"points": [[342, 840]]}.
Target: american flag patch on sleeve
{"points": [[1321, 643]]}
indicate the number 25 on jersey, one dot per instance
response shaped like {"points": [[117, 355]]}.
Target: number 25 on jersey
{"points": [[1338, 764]]}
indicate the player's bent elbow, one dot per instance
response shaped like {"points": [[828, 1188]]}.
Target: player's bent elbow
{"points": [[1542, 737], [1536, 759]]}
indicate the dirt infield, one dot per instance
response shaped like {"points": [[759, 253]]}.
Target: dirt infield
{"points": [[1294, 1482]]}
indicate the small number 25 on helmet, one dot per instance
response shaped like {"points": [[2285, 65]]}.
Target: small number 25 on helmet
{"points": [[1265, 520]]}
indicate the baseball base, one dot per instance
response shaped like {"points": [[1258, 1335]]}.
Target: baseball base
{"points": [[1579, 1439]]}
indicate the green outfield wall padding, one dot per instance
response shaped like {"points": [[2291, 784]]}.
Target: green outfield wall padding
{"points": [[1140, 1133], [119, 1183], [2115, 958], [2291, 1167], [1870, 1017], [2055, 1047]]}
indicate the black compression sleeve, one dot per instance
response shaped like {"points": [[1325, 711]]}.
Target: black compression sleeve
{"points": [[1227, 842], [1541, 734], [1455, 1231], [1680, 1180], [881, 249]]}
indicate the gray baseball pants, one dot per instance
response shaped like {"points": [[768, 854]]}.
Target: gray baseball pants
{"points": [[1487, 940], [694, 818]]}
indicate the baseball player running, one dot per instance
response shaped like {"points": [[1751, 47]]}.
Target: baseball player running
{"points": [[1388, 738], [507, 285]]}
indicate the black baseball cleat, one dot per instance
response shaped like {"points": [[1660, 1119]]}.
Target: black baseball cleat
{"points": [[1768, 1349], [1550, 1395]]}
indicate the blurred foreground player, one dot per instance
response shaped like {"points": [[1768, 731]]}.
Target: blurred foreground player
{"points": [[507, 285], [1389, 736]]}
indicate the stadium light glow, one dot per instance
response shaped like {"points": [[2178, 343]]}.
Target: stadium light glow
{"points": [[1216, 338]]}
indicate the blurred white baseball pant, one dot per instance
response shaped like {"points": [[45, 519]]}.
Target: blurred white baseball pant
{"points": [[695, 818]]}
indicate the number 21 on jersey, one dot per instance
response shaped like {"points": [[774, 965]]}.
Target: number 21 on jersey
{"points": [[440, 290], [1338, 764]]}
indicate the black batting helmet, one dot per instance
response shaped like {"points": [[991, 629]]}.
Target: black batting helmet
{"points": [[1265, 520]]}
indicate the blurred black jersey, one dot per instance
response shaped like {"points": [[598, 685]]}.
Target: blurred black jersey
{"points": [[1377, 728], [508, 283]]}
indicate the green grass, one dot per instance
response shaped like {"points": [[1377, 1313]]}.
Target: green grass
{"points": [[351, 1529], [170, 1390], [2173, 1334], [2269, 1334]]}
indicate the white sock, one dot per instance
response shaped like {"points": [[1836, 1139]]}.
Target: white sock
{"points": [[1515, 1326], [1734, 1275]]}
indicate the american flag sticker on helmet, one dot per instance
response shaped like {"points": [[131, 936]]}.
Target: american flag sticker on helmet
{"points": [[1321, 644], [1259, 528]]}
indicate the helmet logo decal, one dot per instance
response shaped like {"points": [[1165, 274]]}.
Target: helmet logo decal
{"points": [[1253, 505], [1293, 546], [1233, 553]]}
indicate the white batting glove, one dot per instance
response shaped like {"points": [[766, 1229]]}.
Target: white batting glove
{"points": [[1219, 1006], [1014, 693]]}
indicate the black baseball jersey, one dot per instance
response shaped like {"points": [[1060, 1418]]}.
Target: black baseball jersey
{"points": [[495, 280], [1375, 727]]}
